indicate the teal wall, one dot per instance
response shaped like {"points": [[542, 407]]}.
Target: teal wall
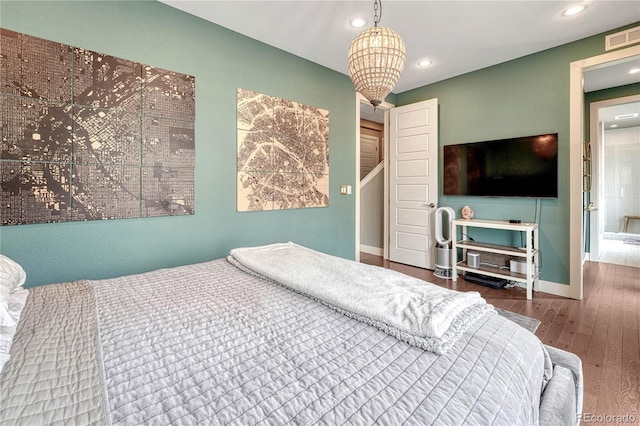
{"points": [[523, 97], [526, 96], [221, 61]]}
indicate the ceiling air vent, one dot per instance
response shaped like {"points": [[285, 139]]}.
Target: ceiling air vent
{"points": [[623, 38]]}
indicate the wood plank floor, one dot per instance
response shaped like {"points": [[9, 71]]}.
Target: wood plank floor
{"points": [[603, 329]]}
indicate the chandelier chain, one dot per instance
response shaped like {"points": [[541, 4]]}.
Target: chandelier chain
{"points": [[377, 6]]}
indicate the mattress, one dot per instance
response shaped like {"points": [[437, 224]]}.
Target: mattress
{"points": [[210, 344]]}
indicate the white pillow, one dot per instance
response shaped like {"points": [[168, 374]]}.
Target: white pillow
{"points": [[18, 300], [11, 276]]}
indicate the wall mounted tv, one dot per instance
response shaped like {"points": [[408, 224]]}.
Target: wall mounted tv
{"points": [[516, 167]]}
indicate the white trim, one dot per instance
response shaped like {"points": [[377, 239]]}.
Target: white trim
{"points": [[373, 173], [356, 170], [385, 191], [594, 216], [576, 138], [386, 106], [376, 251], [557, 289], [576, 235]]}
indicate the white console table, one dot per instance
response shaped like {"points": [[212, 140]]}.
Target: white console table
{"points": [[529, 253]]}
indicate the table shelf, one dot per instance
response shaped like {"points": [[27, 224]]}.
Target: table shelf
{"points": [[529, 253]]}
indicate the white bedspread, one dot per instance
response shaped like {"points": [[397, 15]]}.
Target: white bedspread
{"points": [[416, 311], [209, 344]]}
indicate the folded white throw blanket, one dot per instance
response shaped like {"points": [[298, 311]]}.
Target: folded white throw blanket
{"points": [[408, 308]]}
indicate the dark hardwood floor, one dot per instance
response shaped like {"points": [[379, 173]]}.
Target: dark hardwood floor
{"points": [[603, 329]]}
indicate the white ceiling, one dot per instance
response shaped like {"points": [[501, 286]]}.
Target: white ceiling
{"points": [[612, 75], [458, 36], [608, 115]]}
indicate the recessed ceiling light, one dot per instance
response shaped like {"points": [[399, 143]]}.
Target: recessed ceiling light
{"points": [[574, 10], [357, 22], [424, 63], [626, 116], [634, 71]]}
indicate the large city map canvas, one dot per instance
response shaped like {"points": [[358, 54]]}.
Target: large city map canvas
{"points": [[88, 136], [283, 153]]}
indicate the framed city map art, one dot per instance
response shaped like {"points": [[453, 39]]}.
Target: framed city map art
{"points": [[88, 136], [283, 153]]}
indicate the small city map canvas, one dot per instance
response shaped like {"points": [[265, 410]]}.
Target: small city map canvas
{"points": [[283, 154], [88, 136]]}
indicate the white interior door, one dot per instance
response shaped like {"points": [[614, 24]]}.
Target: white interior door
{"points": [[369, 146], [413, 182]]}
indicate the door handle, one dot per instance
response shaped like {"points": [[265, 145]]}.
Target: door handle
{"points": [[430, 205]]}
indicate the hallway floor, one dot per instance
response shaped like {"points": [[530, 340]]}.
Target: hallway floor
{"points": [[620, 253]]}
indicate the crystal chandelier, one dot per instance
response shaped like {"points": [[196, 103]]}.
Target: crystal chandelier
{"points": [[376, 59]]}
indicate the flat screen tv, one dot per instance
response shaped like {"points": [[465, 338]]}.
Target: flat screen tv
{"points": [[516, 167]]}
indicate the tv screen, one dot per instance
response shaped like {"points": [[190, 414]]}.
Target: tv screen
{"points": [[516, 167]]}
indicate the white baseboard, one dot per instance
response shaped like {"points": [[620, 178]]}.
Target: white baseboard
{"points": [[376, 251], [554, 288]]}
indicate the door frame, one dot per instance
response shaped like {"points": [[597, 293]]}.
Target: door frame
{"points": [[386, 106], [597, 171], [595, 196], [576, 146]]}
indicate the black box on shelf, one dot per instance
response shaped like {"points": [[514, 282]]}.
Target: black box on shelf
{"points": [[485, 280]]}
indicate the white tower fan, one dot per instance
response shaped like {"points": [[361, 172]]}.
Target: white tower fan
{"points": [[444, 255]]}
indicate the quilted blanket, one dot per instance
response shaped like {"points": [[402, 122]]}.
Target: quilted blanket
{"points": [[53, 374], [209, 344], [413, 310]]}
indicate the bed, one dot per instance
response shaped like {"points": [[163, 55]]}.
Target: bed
{"points": [[229, 342]]}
